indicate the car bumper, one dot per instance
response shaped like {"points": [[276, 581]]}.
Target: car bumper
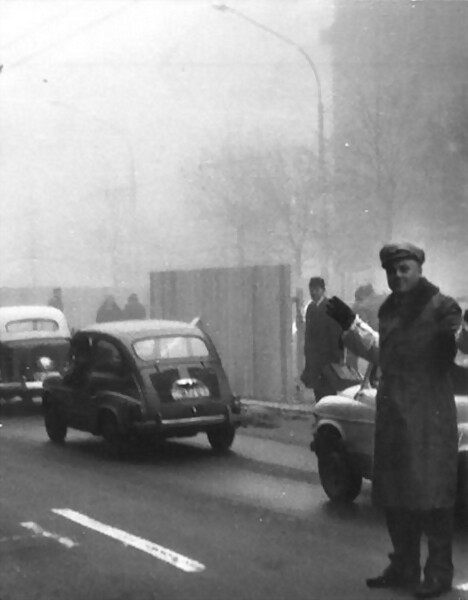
{"points": [[195, 423], [19, 388], [30, 388]]}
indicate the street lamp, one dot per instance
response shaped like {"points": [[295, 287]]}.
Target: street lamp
{"points": [[320, 119], [220, 5]]}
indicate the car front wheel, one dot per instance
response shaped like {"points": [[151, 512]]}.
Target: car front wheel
{"points": [[221, 438], [339, 478], [55, 425]]}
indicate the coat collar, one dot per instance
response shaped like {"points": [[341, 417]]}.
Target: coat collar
{"points": [[409, 306]]}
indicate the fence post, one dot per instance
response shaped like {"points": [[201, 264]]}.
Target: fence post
{"points": [[298, 301]]}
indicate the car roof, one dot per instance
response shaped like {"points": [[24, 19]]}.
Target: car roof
{"points": [[141, 328], [19, 313]]}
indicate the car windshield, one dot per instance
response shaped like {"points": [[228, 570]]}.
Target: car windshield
{"points": [[21, 325], [170, 347]]}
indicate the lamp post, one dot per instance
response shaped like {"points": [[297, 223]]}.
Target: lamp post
{"points": [[320, 111], [322, 167]]}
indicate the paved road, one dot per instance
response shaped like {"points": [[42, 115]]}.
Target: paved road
{"points": [[180, 523]]}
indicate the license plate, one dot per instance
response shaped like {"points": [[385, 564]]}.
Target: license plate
{"points": [[189, 389]]}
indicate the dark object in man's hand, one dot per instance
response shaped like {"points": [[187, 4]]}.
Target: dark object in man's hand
{"points": [[465, 316], [340, 311]]}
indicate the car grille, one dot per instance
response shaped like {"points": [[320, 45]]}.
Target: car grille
{"points": [[208, 378], [162, 383], [23, 361]]}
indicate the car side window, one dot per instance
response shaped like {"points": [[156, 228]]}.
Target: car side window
{"points": [[107, 358]]}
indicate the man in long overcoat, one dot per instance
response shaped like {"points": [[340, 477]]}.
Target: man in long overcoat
{"points": [[416, 442], [322, 341]]}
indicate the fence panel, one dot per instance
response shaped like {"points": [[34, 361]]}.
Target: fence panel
{"points": [[247, 311]]}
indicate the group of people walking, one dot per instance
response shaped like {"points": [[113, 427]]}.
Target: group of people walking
{"points": [[109, 310], [419, 333]]}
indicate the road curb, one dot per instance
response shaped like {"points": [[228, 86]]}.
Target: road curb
{"points": [[278, 407]]}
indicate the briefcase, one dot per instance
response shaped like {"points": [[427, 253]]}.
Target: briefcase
{"points": [[340, 376]]}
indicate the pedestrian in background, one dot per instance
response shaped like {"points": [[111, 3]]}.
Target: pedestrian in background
{"points": [[322, 343], [109, 311], [366, 304], [56, 299], [133, 309], [416, 440]]}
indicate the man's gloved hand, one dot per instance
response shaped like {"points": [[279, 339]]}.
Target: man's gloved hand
{"points": [[340, 311]]}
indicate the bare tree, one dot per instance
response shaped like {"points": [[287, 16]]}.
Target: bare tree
{"points": [[227, 183], [444, 165], [295, 203], [270, 199]]}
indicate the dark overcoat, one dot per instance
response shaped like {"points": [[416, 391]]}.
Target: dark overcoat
{"points": [[322, 343], [416, 443], [106, 314]]}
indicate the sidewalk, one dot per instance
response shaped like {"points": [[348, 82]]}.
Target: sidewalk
{"points": [[287, 423]]}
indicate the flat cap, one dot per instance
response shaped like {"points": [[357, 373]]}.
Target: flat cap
{"points": [[404, 251]]}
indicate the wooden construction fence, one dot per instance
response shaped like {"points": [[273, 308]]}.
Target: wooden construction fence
{"points": [[247, 311]]}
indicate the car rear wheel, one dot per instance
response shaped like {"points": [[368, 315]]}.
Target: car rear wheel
{"points": [[221, 438], [55, 425], [339, 478], [112, 435]]}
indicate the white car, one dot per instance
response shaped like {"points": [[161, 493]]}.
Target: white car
{"points": [[343, 437], [34, 343]]}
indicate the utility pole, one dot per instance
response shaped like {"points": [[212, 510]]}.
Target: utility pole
{"points": [[322, 166], [310, 62]]}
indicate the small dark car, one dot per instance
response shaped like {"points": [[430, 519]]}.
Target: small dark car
{"points": [[155, 378], [34, 343]]}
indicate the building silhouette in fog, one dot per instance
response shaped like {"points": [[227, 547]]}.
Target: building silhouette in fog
{"points": [[400, 128]]}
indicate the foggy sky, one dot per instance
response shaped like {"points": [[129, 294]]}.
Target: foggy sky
{"points": [[94, 94]]}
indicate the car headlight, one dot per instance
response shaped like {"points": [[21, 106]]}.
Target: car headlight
{"points": [[45, 363]]}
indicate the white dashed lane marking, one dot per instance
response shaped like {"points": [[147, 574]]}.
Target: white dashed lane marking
{"points": [[169, 556], [38, 531]]}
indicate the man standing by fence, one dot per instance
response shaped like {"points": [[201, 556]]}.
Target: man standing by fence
{"points": [[322, 343]]}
